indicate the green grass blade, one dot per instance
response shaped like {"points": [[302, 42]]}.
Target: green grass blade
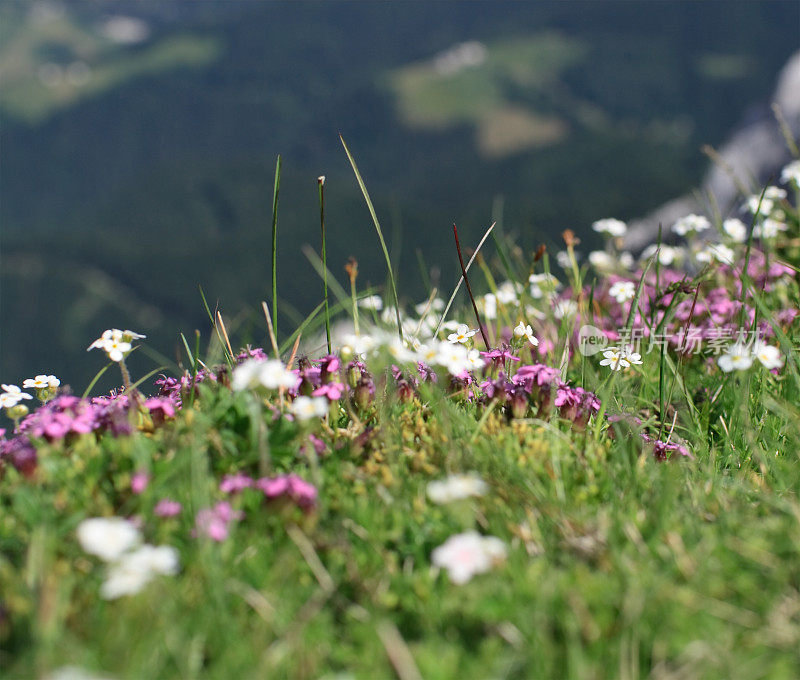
{"points": [[380, 234], [95, 379], [146, 376], [275, 191], [288, 342]]}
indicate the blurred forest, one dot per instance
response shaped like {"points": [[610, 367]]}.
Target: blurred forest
{"points": [[139, 143]]}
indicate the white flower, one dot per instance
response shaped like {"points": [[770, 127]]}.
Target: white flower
{"points": [[371, 302], [622, 291], [428, 352], [617, 358], [134, 570], [474, 360], [769, 356], [525, 331], [766, 205], [107, 537], [8, 400], [601, 260], [456, 487], [565, 308], [12, 395], [563, 259], [306, 408], [736, 357], [666, 254], [245, 375], [465, 555], [489, 304], [41, 382], [115, 343], [791, 173], [436, 305], [610, 226], [507, 293], [691, 223], [626, 259], [273, 375], [769, 228], [715, 251], [455, 358], [359, 344], [735, 229], [400, 351], [543, 284], [462, 334]]}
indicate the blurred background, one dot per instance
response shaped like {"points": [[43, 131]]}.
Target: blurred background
{"points": [[139, 141]]}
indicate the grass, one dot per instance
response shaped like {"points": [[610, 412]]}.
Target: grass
{"points": [[618, 565]]}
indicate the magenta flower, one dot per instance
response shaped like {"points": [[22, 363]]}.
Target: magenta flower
{"points": [[160, 408], [235, 483], [167, 508], [537, 374], [214, 522], [20, 453], [139, 482], [333, 391], [290, 487], [500, 355], [61, 416]]}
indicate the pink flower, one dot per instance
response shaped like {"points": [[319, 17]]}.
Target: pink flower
{"points": [[139, 482], [332, 391], [167, 508], [235, 483], [160, 409], [214, 522], [291, 487]]}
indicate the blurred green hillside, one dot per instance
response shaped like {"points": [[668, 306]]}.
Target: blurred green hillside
{"points": [[139, 142]]}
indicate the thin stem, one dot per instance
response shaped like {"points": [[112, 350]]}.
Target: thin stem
{"points": [[469, 289], [321, 186]]}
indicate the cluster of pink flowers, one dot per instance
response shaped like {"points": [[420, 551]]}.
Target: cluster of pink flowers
{"points": [[66, 415], [215, 522], [287, 487]]}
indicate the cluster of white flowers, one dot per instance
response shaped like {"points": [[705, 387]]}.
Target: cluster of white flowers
{"points": [[769, 228], [41, 382], [131, 565], [791, 174], [269, 373], [765, 205], [465, 555], [617, 358], [306, 408], [735, 230], [12, 395], [115, 343], [543, 285], [691, 224], [740, 357], [715, 251], [611, 227], [373, 302], [667, 255], [456, 487], [565, 309]]}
